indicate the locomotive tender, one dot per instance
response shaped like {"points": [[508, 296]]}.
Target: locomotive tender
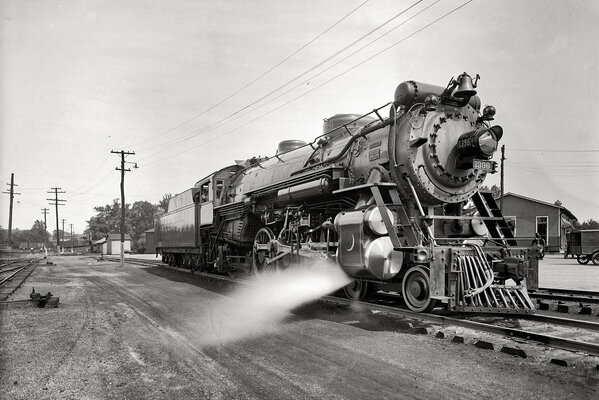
{"points": [[390, 198]]}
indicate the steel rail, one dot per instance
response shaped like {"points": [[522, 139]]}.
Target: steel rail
{"points": [[565, 297], [571, 322], [550, 340], [585, 296], [9, 262], [553, 341], [8, 278], [571, 291]]}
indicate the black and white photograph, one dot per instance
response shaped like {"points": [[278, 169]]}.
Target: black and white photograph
{"points": [[274, 199]]}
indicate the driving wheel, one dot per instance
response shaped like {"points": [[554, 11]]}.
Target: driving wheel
{"points": [[264, 249]]}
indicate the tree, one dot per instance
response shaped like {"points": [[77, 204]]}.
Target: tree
{"points": [[163, 204], [141, 217], [107, 220], [38, 232], [496, 190], [588, 224]]}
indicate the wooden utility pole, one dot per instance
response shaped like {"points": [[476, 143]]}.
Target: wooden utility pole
{"points": [[12, 196], [45, 213], [71, 238], [502, 182], [57, 202], [62, 233], [123, 170]]}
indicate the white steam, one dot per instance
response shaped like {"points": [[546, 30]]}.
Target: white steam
{"points": [[260, 307]]}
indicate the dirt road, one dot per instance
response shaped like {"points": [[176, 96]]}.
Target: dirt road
{"points": [[137, 333]]}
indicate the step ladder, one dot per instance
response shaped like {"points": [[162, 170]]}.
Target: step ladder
{"points": [[493, 218], [386, 195]]}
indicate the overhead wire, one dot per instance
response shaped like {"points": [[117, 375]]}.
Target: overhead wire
{"points": [[314, 67], [223, 121], [329, 80], [259, 77]]}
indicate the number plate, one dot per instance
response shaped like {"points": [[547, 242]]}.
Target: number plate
{"points": [[483, 165]]}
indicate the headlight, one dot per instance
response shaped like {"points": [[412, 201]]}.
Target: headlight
{"points": [[479, 143], [487, 143]]}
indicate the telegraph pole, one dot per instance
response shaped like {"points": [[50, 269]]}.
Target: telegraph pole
{"points": [[12, 196], [57, 202], [502, 182], [123, 170], [62, 235], [71, 238], [45, 212]]}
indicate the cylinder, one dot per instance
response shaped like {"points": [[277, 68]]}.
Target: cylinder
{"points": [[374, 220], [306, 190], [381, 260]]}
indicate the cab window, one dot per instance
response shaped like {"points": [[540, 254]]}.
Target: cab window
{"points": [[204, 192], [220, 187]]}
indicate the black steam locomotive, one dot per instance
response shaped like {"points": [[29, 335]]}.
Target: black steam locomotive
{"points": [[395, 200]]}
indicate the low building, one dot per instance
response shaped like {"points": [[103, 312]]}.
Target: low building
{"points": [[149, 242], [98, 246], [111, 244], [530, 216]]}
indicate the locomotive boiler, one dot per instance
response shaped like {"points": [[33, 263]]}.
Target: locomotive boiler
{"points": [[392, 195]]}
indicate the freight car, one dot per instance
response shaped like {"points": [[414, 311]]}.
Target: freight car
{"points": [[386, 196]]}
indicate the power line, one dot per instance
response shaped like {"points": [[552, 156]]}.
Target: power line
{"points": [[328, 81], [12, 195], [259, 77], [221, 122], [57, 202], [123, 153]]}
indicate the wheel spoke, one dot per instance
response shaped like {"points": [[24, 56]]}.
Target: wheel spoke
{"points": [[263, 251]]}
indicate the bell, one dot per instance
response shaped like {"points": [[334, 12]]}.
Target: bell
{"points": [[465, 89]]}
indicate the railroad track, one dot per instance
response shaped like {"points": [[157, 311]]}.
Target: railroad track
{"points": [[5, 262], [13, 274], [578, 296], [570, 334]]}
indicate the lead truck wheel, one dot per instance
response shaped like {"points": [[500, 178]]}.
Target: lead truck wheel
{"points": [[416, 290], [595, 258]]}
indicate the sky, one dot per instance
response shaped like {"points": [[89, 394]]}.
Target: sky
{"points": [[190, 86]]}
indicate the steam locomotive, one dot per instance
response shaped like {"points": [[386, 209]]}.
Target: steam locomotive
{"points": [[393, 199]]}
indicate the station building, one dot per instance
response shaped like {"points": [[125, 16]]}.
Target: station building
{"points": [[530, 216]]}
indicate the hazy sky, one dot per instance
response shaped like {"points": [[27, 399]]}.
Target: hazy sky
{"points": [[159, 78]]}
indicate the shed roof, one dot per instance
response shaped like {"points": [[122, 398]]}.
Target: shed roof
{"points": [[562, 208], [117, 236]]}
